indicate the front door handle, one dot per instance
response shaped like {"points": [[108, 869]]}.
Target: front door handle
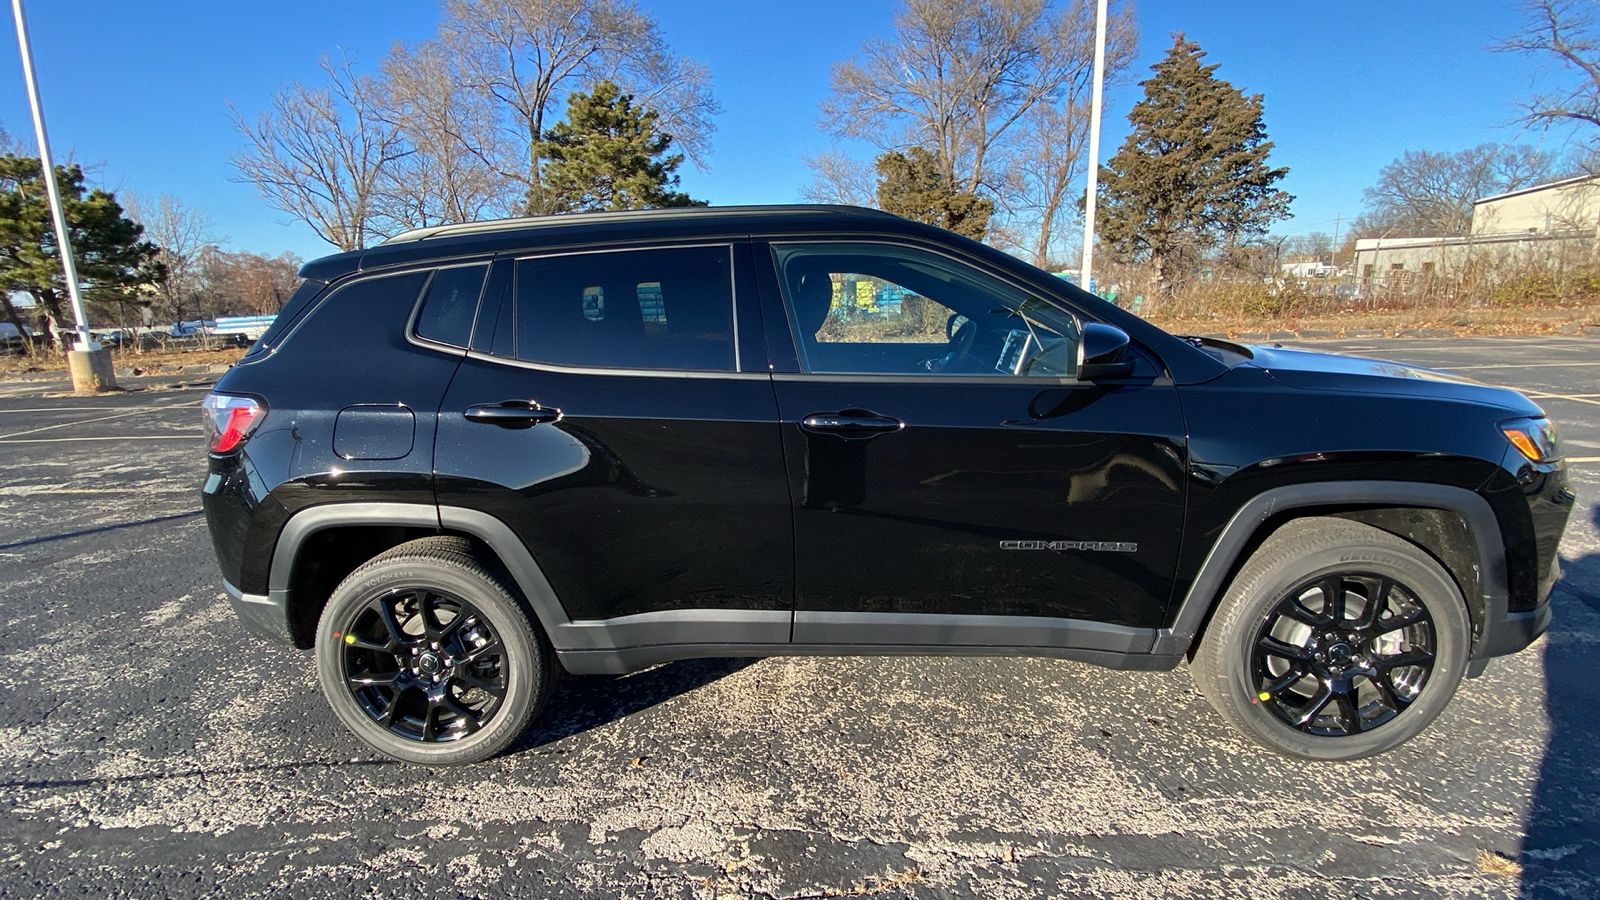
{"points": [[512, 414], [851, 423]]}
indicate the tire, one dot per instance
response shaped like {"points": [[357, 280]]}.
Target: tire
{"points": [[426, 655], [1334, 680]]}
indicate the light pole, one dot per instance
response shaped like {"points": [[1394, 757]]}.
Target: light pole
{"points": [[1086, 275], [90, 366]]}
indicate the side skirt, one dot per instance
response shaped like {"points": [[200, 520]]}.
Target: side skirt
{"points": [[632, 659]]}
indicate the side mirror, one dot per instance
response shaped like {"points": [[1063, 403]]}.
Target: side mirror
{"points": [[1103, 350]]}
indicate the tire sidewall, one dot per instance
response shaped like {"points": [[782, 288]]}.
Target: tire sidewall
{"points": [[524, 676], [1429, 584]]}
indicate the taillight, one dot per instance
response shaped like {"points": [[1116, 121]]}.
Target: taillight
{"points": [[229, 420]]}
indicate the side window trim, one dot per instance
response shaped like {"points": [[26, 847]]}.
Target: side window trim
{"points": [[494, 302]]}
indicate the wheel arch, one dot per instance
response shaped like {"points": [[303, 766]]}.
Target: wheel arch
{"points": [[319, 546], [1420, 513]]}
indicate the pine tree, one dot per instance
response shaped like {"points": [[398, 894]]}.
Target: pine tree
{"points": [[113, 260], [911, 185], [1193, 173], [607, 154]]}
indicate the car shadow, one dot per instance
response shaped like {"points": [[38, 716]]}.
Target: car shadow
{"points": [[585, 702], [1561, 847], [101, 529]]}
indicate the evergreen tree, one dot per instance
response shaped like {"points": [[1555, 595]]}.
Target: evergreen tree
{"points": [[912, 185], [1193, 173], [112, 258], [608, 154]]}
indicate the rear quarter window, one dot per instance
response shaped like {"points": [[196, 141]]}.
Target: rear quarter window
{"points": [[450, 305]]}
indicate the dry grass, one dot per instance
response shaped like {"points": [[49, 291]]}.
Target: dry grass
{"points": [[1519, 321], [149, 361], [1496, 864]]}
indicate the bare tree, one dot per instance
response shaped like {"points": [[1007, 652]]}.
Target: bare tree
{"points": [[1426, 194], [453, 172], [248, 282], [997, 90], [319, 154], [838, 178], [528, 55], [1562, 32], [1314, 247], [181, 234]]}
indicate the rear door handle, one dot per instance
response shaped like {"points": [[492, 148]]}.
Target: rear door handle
{"points": [[851, 423], [512, 414]]}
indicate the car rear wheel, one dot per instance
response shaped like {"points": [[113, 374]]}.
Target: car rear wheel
{"points": [[1335, 641], [428, 657]]}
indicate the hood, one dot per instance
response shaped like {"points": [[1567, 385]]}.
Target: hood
{"points": [[1314, 371]]}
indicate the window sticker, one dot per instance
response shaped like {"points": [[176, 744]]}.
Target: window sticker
{"points": [[594, 304]]}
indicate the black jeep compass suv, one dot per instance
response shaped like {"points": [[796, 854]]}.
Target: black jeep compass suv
{"points": [[474, 455]]}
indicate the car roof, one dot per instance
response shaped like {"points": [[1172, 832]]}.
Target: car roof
{"points": [[577, 229], [615, 217]]}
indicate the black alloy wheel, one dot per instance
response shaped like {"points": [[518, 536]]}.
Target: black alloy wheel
{"points": [[424, 664], [1336, 640], [427, 654], [1344, 653]]}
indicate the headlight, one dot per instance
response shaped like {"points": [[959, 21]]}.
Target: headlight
{"points": [[1535, 439]]}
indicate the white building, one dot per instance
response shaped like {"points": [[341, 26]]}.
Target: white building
{"points": [[1537, 224]]}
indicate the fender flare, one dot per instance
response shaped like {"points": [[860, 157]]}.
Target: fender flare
{"points": [[1489, 612]]}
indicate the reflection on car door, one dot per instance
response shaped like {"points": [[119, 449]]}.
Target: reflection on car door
{"points": [[951, 500], [645, 472]]}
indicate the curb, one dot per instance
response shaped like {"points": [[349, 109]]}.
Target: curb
{"points": [[134, 372]]}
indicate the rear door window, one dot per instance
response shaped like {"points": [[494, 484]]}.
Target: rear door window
{"points": [[668, 309]]}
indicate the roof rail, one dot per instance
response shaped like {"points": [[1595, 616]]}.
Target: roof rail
{"points": [[527, 222]]}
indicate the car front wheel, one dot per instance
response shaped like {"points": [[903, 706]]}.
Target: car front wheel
{"points": [[1336, 640]]}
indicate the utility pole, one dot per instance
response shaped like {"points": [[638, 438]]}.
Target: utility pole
{"points": [[1086, 274], [1336, 217], [90, 366]]}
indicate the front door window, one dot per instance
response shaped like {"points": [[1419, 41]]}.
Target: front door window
{"points": [[887, 310]]}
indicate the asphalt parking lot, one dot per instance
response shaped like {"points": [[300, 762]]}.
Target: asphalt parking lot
{"points": [[149, 748]]}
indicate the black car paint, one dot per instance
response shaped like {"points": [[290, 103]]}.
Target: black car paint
{"points": [[657, 497]]}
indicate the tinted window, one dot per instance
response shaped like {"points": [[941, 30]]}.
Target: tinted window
{"points": [[451, 303], [647, 309], [291, 311], [355, 319], [871, 308]]}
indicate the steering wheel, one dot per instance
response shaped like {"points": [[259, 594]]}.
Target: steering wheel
{"points": [[958, 357]]}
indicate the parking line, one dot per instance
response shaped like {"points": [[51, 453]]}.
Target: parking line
{"points": [[197, 438], [1576, 398], [1557, 365], [45, 409], [125, 415]]}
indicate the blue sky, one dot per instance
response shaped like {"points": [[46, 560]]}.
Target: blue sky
{"points": [[141, 88]]}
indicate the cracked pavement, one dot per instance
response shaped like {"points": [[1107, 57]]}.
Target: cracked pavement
{"points": [[148, 747]]}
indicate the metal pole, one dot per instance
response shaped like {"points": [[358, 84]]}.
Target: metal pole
{"points": [[63, 239], [1086, 276]]}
